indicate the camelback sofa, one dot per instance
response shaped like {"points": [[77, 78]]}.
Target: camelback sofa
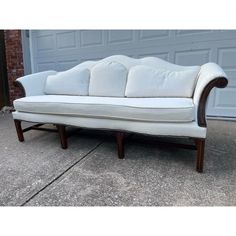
{"points": [[148, 95]]}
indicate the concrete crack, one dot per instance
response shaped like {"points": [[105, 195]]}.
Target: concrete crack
{"points": [[65, 171]]}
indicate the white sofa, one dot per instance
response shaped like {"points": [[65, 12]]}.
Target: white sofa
{"points": [[148, 95]]}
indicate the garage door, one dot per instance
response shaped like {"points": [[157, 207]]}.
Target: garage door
{"points": [[60, 50]]}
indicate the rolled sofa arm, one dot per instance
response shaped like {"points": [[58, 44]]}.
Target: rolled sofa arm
{"points": [[211, 75], [33, 85]]}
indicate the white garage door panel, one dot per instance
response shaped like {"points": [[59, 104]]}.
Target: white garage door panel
{"points": [[91, 38], [63, 49], [224, 101], [66, 40]]}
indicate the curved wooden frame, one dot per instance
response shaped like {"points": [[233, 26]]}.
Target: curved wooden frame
{"points": [[19, 85], [218, 82]]}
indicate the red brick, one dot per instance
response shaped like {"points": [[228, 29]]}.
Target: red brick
{"points": [[14, 58]]}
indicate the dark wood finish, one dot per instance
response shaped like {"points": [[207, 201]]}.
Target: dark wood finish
{"points": [[62, 134], [176, 145], [4, 90], [45, 129], [29, 128], [19, 130], [19, 85], [120, 144], [61, 129], [37, 127], [219, 82], [200, 144]]}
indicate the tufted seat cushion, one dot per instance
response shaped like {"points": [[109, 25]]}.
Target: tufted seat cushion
{"points": [[142, 109]]}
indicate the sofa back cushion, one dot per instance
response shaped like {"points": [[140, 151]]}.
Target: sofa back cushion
{"points": [[146, 81], [70, 82], [108, 79]]}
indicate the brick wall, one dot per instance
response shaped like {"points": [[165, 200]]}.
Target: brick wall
{"points": [[14, 60]]}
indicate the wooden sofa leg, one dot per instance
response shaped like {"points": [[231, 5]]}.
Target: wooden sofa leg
{"points": [[62, 134], [19, 130], [120, 144], [200, 144]]}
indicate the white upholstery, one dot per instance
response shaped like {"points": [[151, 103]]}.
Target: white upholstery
{"points": [[34, 83], [108, 79], [208, 72], [129, 62], [190, 129], [146, 81], [158, 100], [70, 82], [143, 109]]}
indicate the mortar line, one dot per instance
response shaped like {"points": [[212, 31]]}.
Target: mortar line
{"points": [[60, 175]]}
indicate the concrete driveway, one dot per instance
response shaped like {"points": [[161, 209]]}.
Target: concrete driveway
{"points": [[39, 173]]}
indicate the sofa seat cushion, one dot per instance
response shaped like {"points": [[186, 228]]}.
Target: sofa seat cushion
{"points": [[143, 109]]}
